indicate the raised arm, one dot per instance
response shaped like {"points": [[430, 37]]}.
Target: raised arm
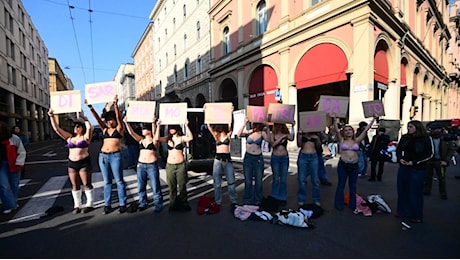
{"points": [[96, 116], [242, 129], [118, 116], [156, 137], [364, 133], [188, 134], [335, 128], [89, 129], [61, 132], [291, 135], [131, 132]]}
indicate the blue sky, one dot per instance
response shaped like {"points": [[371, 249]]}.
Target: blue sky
{"points": [[90, 52]]}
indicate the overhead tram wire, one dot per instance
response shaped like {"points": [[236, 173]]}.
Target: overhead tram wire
{"points": [[91, 38], [76, 39]]}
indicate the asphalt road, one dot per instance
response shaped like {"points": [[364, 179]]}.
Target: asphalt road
{"points": [[337, 234]]}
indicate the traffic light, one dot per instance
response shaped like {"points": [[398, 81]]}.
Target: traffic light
{"points": [[415, 110], [412, 112]]}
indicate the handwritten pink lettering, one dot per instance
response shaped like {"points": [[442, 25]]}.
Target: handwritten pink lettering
{"points": [[173, 112], [313, 121], [332, 106], [283, 113], [373, 108], [65, 101], [257, 114], [100, 91]]}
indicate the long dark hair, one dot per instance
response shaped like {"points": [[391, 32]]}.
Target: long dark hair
{"points": [[5, 131], [220, 129], [419, 128], [178, 131]]}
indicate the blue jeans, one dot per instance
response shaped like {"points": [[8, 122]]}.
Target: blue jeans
{"points": [[227, 168], [346, 171], [410, 183], [322, 175], [253, 169], [112, 167], [280, 167], [307, 165], [9, 186], [362, 163], [145, 171], [332, 148]]}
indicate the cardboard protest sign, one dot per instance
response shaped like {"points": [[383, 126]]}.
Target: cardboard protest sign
{"points": [[373, 107], [313, 121], [256, 114], [140, 111], [218, 113], [173, 113], [65, 101], [334, 105], [280, 113], [100, 92]]}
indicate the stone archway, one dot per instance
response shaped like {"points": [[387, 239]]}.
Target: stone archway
{"points": [[229, 92]]}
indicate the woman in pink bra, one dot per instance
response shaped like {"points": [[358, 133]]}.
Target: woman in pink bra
{"points": [[348, 163], [79, 167]]}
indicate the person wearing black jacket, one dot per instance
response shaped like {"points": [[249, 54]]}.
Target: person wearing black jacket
{"points": [[414, 150], [379, 141]]}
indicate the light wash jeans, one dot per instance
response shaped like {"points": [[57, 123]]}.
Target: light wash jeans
{"points": [[224, 167], [322, 174], [332, 148], [253, 169], [280, 167], [151, 171], [362, 163], [112, 167], [307, 165], [9, 186]]}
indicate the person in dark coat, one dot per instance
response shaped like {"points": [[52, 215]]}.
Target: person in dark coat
{"points": [[379, 142]]}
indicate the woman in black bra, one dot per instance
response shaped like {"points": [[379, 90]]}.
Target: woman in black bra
{"points": [[147, 165], [110, 157], [79, 167], [176, 169], [222, 163], [253, 162], [279, 160]]}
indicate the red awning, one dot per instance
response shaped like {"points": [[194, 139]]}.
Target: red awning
{"points": [[322, 64], [381, 67], [262, 86]]}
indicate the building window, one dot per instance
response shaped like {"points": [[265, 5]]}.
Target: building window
{"points": [[199, 65], [185, 71], [226, 41], [174, 24], [158, 41], [175, 73], [175, 51], [159, 64], [167, 59], [185, 42], [261, 18], [166, 33], [198, 30], [185, 11], [314, 2]]}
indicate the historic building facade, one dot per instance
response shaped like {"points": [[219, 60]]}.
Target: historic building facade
{"points": [[24, 81], [398, 51]]}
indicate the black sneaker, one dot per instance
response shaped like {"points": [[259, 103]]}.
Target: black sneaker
{"points": [[107, 210], [185, 207], [326, 183], [76, 210], [122, 209], [87, 210]]}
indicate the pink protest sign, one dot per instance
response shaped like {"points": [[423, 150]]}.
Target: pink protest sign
{"points": [[65, 101], [218, 113], [334, 105], [281, 113], [313, 121], [140, 111], [173, 113], [373, 107], [100, 92], [256, 114]]}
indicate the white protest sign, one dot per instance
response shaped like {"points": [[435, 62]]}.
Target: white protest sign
{"points": [[218, 113], [281, 113], [334, 105], [65, 101], [100, 92], [140, 111], [173, 113]]}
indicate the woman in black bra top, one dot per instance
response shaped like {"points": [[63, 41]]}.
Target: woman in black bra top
{"points": [[110, 157], [222, 163], [279, 160], [79, 167], [176, 170], [147, 166]]}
